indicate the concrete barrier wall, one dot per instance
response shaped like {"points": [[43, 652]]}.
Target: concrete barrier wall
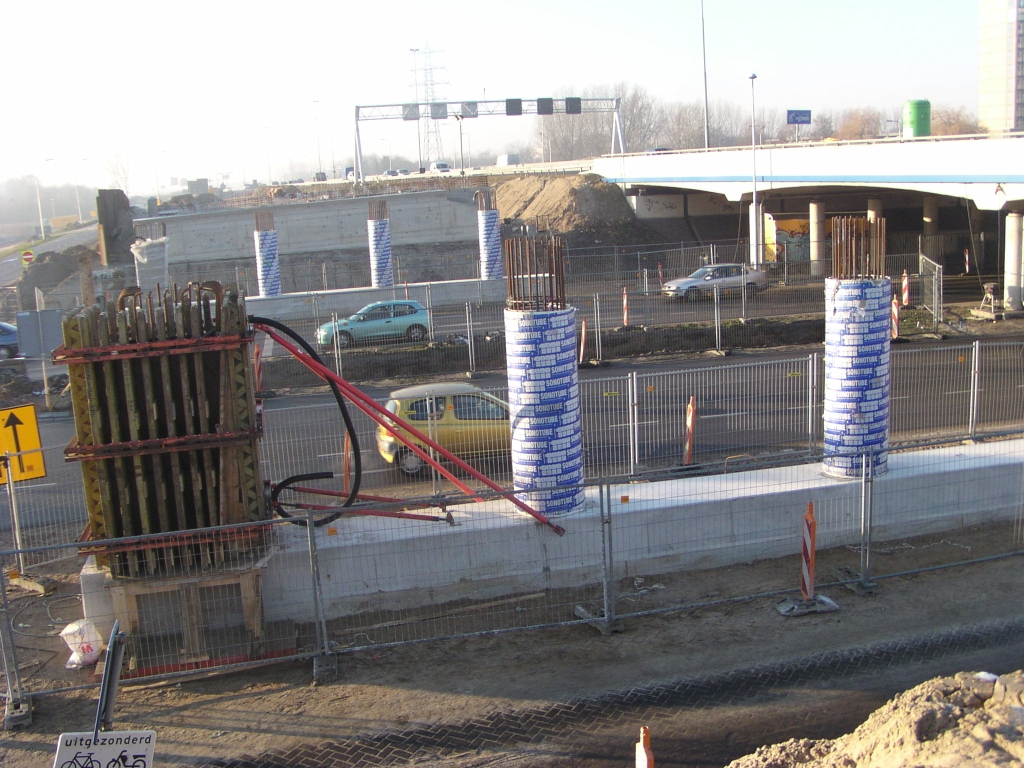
{"points": [[417, 218], [680, 524]]}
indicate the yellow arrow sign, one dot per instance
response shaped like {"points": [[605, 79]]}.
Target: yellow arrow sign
{"points": [[19, 434]]}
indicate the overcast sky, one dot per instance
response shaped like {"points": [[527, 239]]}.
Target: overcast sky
{"points": [[204, 88]]}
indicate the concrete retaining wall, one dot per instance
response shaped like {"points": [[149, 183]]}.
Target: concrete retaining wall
{"points": [[417, 218], [692, 523]]}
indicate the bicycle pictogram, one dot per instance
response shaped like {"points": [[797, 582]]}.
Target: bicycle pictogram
{"points": [[82, 760]]}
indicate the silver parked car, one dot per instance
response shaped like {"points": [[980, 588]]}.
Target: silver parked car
{"points": [[729, 278]]}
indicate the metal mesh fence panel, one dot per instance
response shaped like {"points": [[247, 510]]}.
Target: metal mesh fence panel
{"points": [[947, 505], [931, 392]]}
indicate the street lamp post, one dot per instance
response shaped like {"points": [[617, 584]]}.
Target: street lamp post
{"points": [[78, 198], [316, 117], [39, 206], [462, 154], [755, 218], [704, 56], [416, 95]]}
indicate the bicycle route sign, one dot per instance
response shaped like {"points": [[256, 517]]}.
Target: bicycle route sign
{"points": [[112, 749]]}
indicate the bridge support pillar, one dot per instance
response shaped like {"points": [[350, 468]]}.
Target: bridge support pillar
{"points": [[874, 208], [819, 257], [929, 245], [1012, 274]]}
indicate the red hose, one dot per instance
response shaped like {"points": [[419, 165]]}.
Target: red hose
{"points": [[374, 410]]}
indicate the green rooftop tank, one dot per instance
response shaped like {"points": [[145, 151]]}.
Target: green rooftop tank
{"points": [[917, 118]]}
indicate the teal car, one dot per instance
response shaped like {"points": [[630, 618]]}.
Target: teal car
{"points": [[380, 321]]}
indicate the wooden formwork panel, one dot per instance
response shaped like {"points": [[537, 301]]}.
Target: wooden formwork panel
{"points": [[162, 394]]}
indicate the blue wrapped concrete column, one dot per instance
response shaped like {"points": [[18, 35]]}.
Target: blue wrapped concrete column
{"points": [[856, 407], [492, 260], [268, 267], [381, 272], [544, 396]]}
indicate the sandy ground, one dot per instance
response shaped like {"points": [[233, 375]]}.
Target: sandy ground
{"points": [[452, 681]]}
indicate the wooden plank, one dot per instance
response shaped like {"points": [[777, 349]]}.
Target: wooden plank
{"points": [[252, 603], [152, 411], [143, 496], [123, 492], [192, 623], [160, 326]]}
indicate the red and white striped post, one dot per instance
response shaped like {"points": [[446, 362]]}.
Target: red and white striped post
{"points": [[691, 423], [810, 534], [906, 289], [583, 340], [625, 306], [661, 275], [895, 318]]}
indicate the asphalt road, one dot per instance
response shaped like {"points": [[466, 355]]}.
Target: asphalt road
{"points": [[748, 406]]}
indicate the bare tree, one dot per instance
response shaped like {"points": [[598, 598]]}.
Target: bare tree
{"points": [[729, 124], [642, 116], [683, 125], [119, 171], [823, 125], [953, 121], [859, 123]]}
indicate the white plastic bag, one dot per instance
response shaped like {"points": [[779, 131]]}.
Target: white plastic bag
{"points": [[85, 643]]}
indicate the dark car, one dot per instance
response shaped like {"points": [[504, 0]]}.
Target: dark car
{"points": [[8, 340]]}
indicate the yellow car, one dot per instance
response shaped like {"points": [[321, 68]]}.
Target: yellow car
{"points": [[460, 417]]}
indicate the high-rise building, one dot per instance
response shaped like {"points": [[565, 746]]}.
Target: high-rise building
{"points": [[1001, 65]]}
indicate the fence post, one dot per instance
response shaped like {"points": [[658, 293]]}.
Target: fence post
{"points": [[324, 665], [18, 711], [611, 623], [867, 482], [469, 337], [972, 426], [812, 400], [15, 517], [634, 427], [718, 322], [598, 349]]}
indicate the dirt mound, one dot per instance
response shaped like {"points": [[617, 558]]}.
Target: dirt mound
{"points": [[970, 719], [583, 209], [50, 269]]}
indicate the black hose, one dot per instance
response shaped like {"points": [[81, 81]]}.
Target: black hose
{"points": [[300, 479], [357, 469]]}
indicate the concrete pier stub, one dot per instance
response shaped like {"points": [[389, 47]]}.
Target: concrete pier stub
{"points": [[543, 378], [378, 226], [857, 333], [268, 265], [1012, 276], [819, 256], [874, 208], [492, 258]]}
